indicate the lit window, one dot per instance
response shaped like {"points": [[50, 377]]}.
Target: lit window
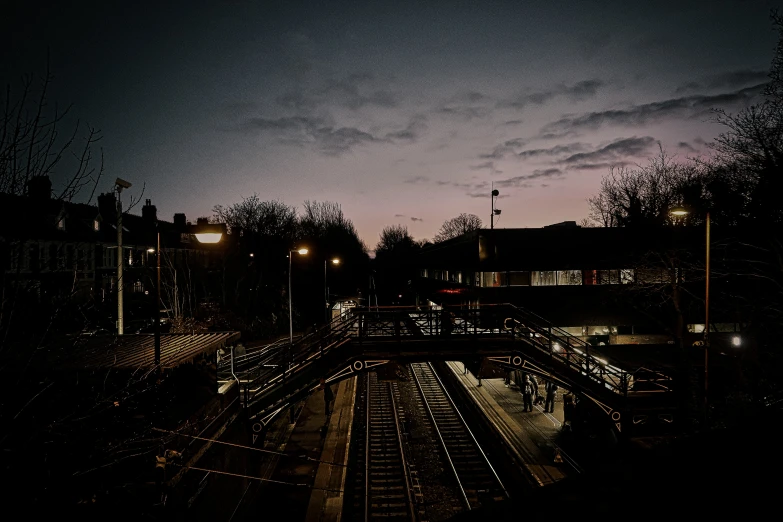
{"points": [[608, 277], [695, 328], [543, 278], [61, 224], [96, 225], [569, 277]]}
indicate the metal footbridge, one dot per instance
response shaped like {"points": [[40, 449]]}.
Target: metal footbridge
{"points": [[273, 377]]}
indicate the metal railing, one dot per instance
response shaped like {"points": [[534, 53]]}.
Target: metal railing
{"points": [[575, 359]]}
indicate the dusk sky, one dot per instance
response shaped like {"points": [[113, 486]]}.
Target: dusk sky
{"points": [[402, 112]]}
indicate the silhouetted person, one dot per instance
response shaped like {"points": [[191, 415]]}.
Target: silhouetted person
{"points": [[568, 410], [328, 396], [535, 386], [527, 394], [551, 391], [446, 322]]}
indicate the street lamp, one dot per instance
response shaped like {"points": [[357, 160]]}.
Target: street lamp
{"points": [[120, 184], [301, 252], [335, 261], [681, 211], [205, 233]]}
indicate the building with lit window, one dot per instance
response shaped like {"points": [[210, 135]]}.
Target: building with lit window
{"points": [[54, 251], [608, 285]]}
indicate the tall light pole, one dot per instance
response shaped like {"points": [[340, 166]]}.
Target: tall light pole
{"points": [[335, 261], [707, 314], [495, 211], [301, 252], [120, 184], [680, 211], [204, 234]]}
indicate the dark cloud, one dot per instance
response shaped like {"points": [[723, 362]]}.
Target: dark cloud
{"points": [[414, 218], [513, 122], [524, 180], [326, 138], [577, 92], [487, 165], [354, 91], [466, 112], [400, 215], [727, 80], [557, 150], [467, 106], [600, 166], [334, 142], [412, 132], [504, 149], [416, 179], [614, 153], [649, 113], [684, 145]]}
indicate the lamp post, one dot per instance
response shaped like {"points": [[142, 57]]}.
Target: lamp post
{"points": [[120, 184], [495, 211], [301, 252], [680, 211], [204, 234], [335, 261]]}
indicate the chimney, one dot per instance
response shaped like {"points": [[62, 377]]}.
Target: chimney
{"points": [[202, 221], [179, 222], [149, 213], [39, 188], [107, 206]]}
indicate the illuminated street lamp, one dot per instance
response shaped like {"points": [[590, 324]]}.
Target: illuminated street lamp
{"points": [[681, 211], [335, 261], [205, 233], [120, 184], [208, 232], [301, 252]]}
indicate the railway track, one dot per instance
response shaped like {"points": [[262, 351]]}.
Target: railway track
{"points": [[388, 489], [477, 480]]}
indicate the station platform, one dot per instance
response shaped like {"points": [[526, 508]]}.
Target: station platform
{"points": [[532, 437]]}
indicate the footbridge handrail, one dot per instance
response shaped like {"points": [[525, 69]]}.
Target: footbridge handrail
{"points": [[280, 371]]}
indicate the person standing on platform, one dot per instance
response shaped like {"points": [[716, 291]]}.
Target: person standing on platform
{"points": [[527, 394], [551, 391], [328, 397], [535, 386]]}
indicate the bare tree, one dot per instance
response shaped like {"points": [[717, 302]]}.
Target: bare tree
{"points": [[265, 218], [645, 195], [457, 226], [31, 143], [751, 148], [394, 238]]}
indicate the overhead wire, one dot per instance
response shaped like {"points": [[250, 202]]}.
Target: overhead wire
{"points": [[252, 477], [260, 450]]}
